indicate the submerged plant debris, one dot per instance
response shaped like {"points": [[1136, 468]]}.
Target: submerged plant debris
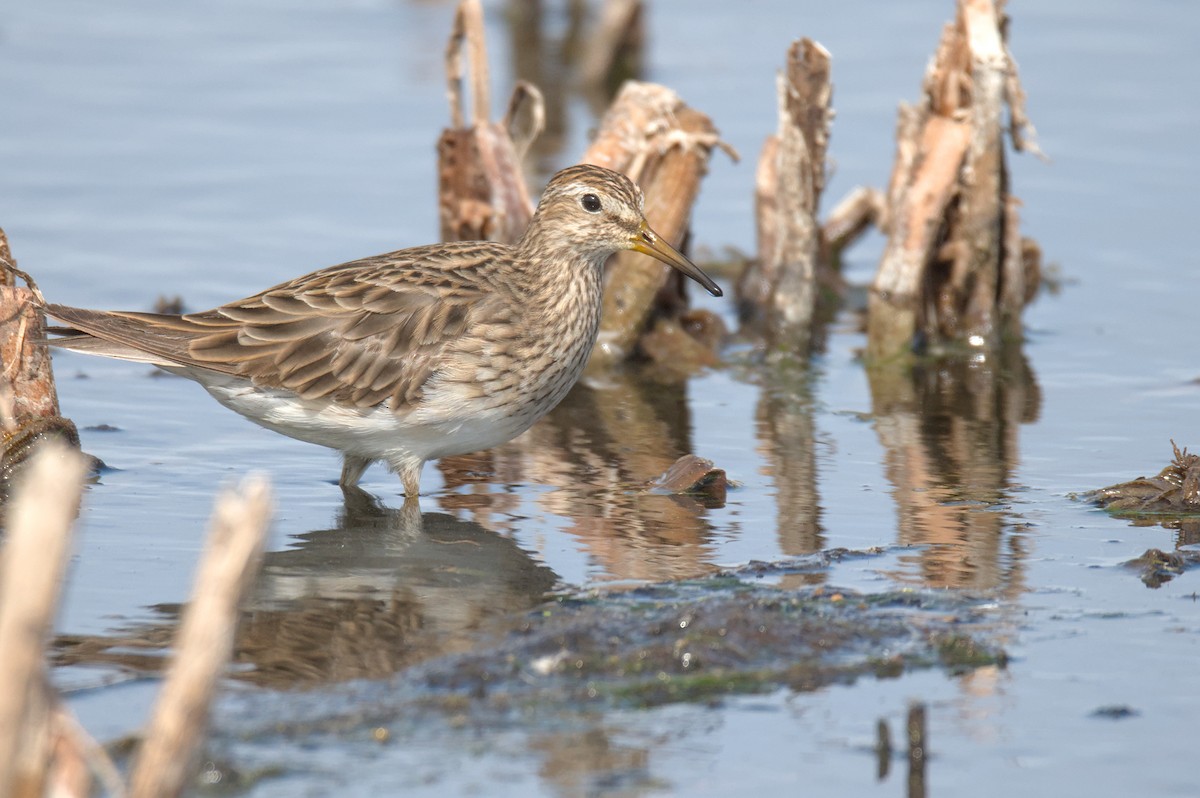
{"points": [[1156, 567], [1170, 499], [700, 640], [1174, 491]]}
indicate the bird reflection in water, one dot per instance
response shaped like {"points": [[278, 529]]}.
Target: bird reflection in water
{"points": [[387, 588], [383, 590]]}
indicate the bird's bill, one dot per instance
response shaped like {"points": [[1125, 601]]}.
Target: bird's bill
{"points": [[650, 243]]}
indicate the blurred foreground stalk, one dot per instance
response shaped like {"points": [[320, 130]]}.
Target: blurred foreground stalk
{"points": [[43, 751], [204, 642], [37, 756]]}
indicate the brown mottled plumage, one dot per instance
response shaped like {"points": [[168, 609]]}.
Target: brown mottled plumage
{"points": [[412, 355]]}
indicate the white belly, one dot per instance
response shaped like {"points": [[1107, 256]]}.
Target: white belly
{"points": [[374, 433]]}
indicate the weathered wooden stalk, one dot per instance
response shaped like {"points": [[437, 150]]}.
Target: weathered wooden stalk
{"points": [[859, 210], [481, 188], [663, 145], [647, 132], [983, 196], [615, 41], [949, 271], [29, 411], [777, 293]]}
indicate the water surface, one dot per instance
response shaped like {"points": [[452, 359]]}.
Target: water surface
{"points": [[212, 149]]}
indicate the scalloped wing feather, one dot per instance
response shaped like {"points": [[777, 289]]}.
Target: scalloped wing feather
{"points": [[361, 333]]}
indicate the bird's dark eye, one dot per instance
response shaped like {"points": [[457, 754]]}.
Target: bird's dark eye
{"points": [[590, 203]]}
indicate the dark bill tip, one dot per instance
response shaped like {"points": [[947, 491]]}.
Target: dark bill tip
{"points": [[650, 243]]}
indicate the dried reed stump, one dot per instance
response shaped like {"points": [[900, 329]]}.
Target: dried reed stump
{"points": [[859, 210], [777, 293], [204, 641], [481, 189], [954, 268], [28, 400], [42, 749], [612, 51], [664, 146]]}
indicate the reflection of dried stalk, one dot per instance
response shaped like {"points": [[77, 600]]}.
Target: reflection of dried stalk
{"points": [[204, 641], [595, 450], [953, 267], [651, 135], [778, 292], [918, 750], [787, 441], [481, 190], [950, 432], [40, 751]]}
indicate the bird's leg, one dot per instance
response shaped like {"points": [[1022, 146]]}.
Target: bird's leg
{"points": [[352, 470], [410, 476]]}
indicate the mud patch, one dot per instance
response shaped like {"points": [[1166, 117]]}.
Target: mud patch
{"points": [[587, 654]]}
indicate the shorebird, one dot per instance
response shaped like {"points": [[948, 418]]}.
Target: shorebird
{"points": [[412, 355]]}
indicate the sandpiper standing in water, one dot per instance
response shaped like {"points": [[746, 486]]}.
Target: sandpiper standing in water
{"points": [[413, 355]]}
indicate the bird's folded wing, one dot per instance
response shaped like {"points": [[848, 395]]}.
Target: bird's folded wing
{"points": [[362, 333]]}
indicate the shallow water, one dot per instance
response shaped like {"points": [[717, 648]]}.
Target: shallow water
{"points": [[212, 149]]}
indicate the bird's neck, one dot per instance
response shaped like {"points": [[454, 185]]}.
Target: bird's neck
{"points": [[553, 280], [556, 266], [564, 289]]}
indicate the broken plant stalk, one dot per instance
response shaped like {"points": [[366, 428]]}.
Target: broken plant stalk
{"points": [[29, 411], [481, 189], [664, 146], [954, 268]]}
